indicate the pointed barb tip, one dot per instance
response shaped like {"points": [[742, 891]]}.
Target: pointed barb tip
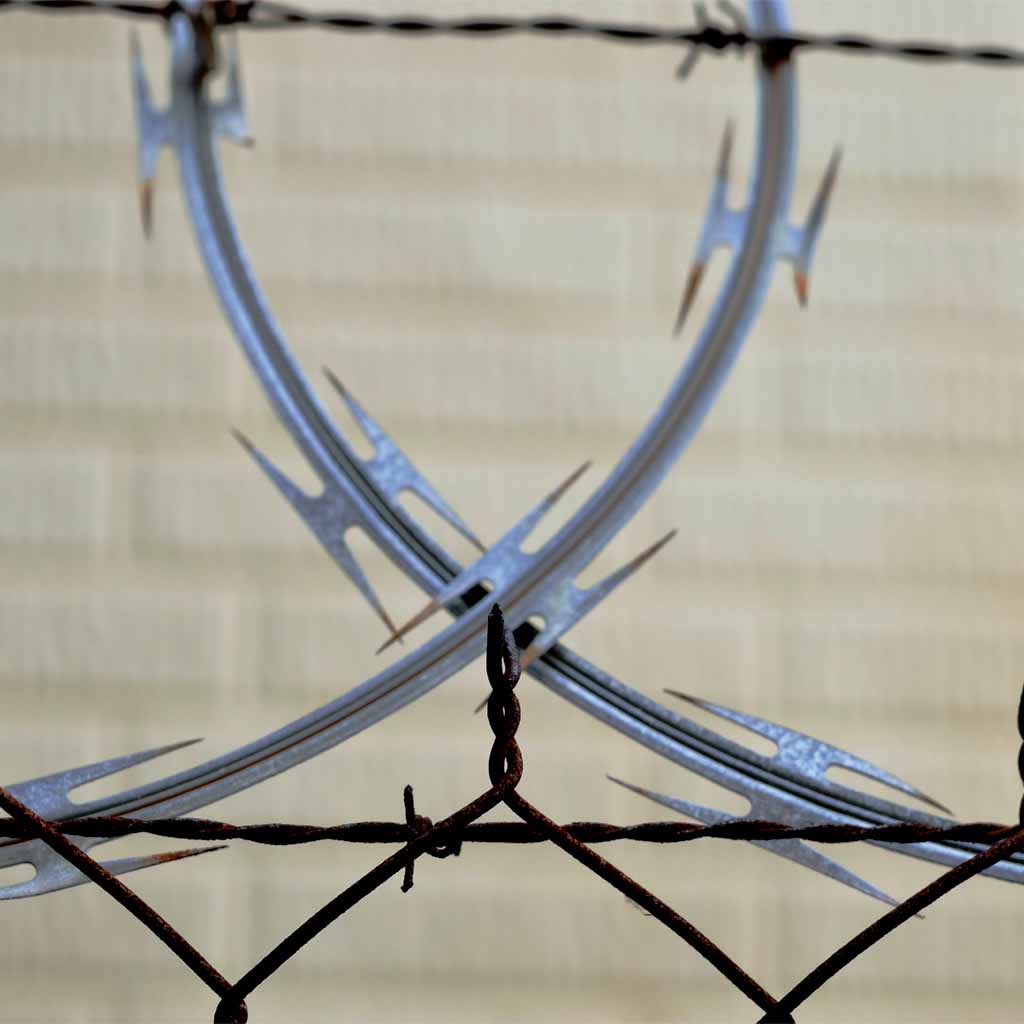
{"points": [[601, 590], [800, 284], [243, 440], [689, 294], [700, 17], [335, 381], [725, 153], [689, 698], [809, 234], [193, 851], [146, 206], [398, 633], [807, 755], [688, 63], [719, 227], [569, 481]]}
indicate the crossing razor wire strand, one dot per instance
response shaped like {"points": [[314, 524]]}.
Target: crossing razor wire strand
{"points": [[789, 788]]}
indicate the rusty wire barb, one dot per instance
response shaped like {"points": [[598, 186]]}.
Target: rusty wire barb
{"points": [[418, 836], [707, 35]]}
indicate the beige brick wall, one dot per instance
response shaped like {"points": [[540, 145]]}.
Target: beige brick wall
{"points": [[486, 241]]}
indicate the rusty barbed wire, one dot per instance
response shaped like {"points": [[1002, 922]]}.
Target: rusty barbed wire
{"points": [[707, 35], [418, 836], [514, 833]]}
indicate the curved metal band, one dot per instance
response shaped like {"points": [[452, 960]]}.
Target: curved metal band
{"points": [[789, 790]]}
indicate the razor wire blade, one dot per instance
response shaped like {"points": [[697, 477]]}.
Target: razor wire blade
{"points": [[790, 786]]}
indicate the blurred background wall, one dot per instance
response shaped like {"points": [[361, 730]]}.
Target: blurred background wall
{"points": [[486, 240]]}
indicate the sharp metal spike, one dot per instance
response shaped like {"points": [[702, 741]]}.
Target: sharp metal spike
{"points": [[569, 604], [342, 555], [526, 525], [230, 116], [722, 226], [800, 286], [125, 864], [791, 849], [599, 591], [808, 235], [328, 516], [297, 497], [391, 469], [806, 754], [689, 62], [724, 160], [54, 873], [49, 795], [700, 17], [496, 564], [693, 280], [761, 726], [435, 604], [816, 216], [154, 129], [375, 434], [146, 206]]}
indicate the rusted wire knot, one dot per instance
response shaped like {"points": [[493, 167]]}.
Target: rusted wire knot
{"points": [[505, 763], [503, 713], [420, 824]]}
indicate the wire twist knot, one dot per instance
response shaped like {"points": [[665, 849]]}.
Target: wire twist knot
{"points": [[503, 713], [420, 824]]}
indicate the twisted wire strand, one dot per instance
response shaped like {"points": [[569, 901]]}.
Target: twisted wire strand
{"points": [[513, 832], [265, 14]]}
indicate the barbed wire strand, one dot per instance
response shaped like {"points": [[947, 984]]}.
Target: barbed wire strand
{"points": [[707, 35], [516, 832]]}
